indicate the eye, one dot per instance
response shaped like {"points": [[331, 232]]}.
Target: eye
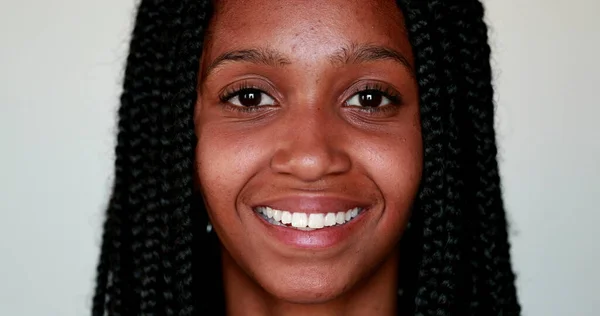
{"points": [[369, 99], [250, 98]]}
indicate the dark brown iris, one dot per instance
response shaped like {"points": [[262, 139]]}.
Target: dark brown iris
{"points": [[370, 99], [250, 97]]}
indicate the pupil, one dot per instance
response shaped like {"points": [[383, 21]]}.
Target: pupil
{"points": [[370, 99], [250, 97]]}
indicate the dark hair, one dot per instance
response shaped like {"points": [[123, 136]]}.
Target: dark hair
{"points": [[156, 258]]}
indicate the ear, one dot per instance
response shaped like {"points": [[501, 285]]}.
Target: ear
{"points": [[198, 103], [196, 177], [197, 110], [196, 119]]}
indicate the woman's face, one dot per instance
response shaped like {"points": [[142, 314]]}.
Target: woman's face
{"points": [[309, 149]]}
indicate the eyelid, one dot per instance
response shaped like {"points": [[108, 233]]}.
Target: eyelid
{"points": [[386, 89], [249, 83]]}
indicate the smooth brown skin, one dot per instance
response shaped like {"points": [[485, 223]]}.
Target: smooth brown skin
{"points": [[309, 141]]}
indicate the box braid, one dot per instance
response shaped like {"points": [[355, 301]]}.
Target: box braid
{"points": [[493, 268], [455, 252], [465, 262]]}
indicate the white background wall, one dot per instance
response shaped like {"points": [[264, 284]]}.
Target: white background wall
{"points": [[60, 75]]}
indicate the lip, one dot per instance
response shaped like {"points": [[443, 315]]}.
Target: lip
{"points": [[323, 238], [313, 204]]}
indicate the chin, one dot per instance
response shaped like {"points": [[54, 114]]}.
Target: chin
{"points": [[307, 288]]}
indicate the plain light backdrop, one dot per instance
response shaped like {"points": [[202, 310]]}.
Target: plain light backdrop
{"points": [[61, 65]]}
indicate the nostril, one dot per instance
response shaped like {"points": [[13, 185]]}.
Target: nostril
{"points": [[311, 164]]}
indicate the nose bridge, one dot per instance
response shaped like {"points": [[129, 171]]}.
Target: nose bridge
{"points": [[310, 127], [309, 146]]}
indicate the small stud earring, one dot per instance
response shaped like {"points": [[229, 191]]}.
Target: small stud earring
{"points": [[209, 228]]}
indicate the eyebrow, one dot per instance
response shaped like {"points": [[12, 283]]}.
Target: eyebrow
{"points": [[264, 56], [350, 54], [364, 53]]}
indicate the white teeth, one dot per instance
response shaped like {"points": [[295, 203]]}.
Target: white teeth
{"points": [[348, 216], [329, 219], [316, 221], [299, 220], [304, 221], [354, 212], [286, 217], [340, 218], [277, 215]]}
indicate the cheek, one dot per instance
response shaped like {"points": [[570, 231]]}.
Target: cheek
{"points": [[225, 162], [395, 165]]}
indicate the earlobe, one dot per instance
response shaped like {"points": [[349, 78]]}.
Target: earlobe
{"points": [[196, 175], [197, 106]]}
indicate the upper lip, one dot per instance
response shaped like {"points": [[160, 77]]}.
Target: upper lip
{"points": [[313, 203]]}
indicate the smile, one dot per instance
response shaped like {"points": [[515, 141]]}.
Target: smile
{"points": [[307, 221]]}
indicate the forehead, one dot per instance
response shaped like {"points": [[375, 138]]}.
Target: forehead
{"points": [[301, 27]]}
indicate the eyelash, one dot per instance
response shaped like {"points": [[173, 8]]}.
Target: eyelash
{"points": [[231, 92], [387, 92]]}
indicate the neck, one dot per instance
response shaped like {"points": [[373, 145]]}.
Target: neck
{"points": [[376, 295]]}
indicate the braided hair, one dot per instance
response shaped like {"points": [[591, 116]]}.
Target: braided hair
{"points": [[155, 257]]}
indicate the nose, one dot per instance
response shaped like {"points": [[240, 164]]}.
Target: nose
{"points": [[310, 146]]}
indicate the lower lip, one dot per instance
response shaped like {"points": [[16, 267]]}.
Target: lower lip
{"points": [[314, 239]]}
